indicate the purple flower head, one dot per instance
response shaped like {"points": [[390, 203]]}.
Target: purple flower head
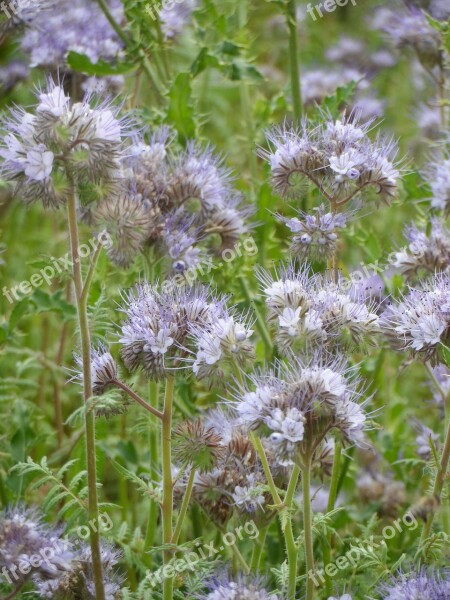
{"points": [[158, 324], [437, 176], [300, 403], [78, 577], [24, 534], [222, 587], [61, 141], [223, 344], [315, 235], [176, 16], [309, 308], [424, 437], [410, 28], [337, 157], [421, 584], [83, 28], [420, 322], [425, 252]]}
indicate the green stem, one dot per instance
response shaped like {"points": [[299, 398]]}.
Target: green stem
{"points": [[307, 526], [438, 484], [291, 547], [167, 503], [89, 417], [294, 63], [153, 466], [334, 485], [265, 465], [123, 386], [184, 507], [258, 549], [260, 323]]}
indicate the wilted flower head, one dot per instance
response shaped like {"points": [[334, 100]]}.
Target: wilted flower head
{"points": [[60, 142], [237, 481], [420, 322], [308, 308], [128, 221], [24, 534], [197, 445], [175, 16], [338, 157], [240, 588], [421, 584], [300, 403], [430, 252], [315, 235]]}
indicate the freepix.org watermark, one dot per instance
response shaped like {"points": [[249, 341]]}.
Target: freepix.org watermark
{"points": [[155, 11], [56, 267], [327, 6], [354, 555], [14, 572], [202, 552]]}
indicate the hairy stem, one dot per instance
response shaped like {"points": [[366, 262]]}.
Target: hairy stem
{"points": [[291, 547], [334, 485], [153, 465], [167, 503], [137, 398], [184, 507], [294, 62], [260, 322], [258, 549], [307, 526], [89, 417]]}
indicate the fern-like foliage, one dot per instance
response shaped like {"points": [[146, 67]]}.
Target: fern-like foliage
{"points": [[68, 498]]}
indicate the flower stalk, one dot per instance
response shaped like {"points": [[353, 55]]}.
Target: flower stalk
{"points": [[81, 294]]}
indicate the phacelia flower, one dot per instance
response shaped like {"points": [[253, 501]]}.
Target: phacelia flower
{"points": [[128, 221], [23, 535], [59, 142], [420, 322], [159, 322], [307, 308], [224, 588], [438, 177], [430, 252], [410, 28], [422, 584], [315, 235], [103, 370], [237, 481], [425, 436], [338, 157], [299, 404], [83, 28], [175, 17], [221, 344], [78, 577]]}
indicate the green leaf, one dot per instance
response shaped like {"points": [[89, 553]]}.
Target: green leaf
{"points": [[81, 63], [44, 302], [181, 113]]}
